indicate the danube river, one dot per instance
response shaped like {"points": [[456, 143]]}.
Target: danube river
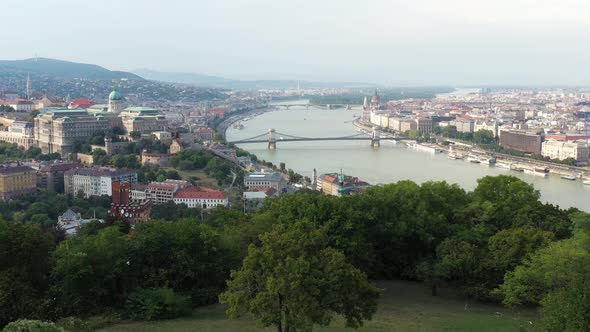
{"points": [[389, 163]]}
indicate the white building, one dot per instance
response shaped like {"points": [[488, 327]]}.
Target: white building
{"points": [[265, 180], [71, 222], [463, 125], [21, 105], [95, 181], [20, 133], [491, 126], [200, 197], [163, 192], [578, 150]]}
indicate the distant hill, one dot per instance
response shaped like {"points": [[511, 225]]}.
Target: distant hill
{"points": [[220, 82], [183, 78], [62, 69]]}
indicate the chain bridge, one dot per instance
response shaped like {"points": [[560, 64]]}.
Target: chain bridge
{"points": [[272, 137]]}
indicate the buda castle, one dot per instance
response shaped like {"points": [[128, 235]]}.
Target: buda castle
{"points": [[56, 130]]}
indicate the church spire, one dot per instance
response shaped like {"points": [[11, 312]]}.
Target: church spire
{"points": [[29, 87]]}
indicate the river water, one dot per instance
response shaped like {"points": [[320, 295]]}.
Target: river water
{"points": [[389, 163]]}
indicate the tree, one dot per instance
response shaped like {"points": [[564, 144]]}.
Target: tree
{"points": [[99, 157], [135, 134], [217, 137], [413, 134], [183, 255], [556, 277], [449, 131], [25, 268], [119, 161], [91, 272], [294, 280], [483, 136], [33, 152], [293, 176]]}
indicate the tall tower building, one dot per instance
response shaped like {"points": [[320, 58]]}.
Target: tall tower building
{"points": [[115, 102], [29, 87], [375, 100]]}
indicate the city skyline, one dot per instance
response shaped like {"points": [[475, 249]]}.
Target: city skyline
{"points": [[454, 42]]}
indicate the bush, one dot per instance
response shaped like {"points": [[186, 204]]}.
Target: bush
{"points": [[73, 324], [157, 303], [26, 325]]}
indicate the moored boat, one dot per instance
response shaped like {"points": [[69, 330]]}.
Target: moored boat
{"points": [[586, 182], [568, 177], [488, 161], [455, 156], [425, 148], [541, 171], [501, 165], [516, 168], [473, 159]]}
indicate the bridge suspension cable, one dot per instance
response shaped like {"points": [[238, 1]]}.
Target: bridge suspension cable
{"points": [[311, 138], [252, 138]]}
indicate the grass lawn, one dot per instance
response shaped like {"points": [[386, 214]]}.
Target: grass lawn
{"points": [[403, 306], [205, 180]]}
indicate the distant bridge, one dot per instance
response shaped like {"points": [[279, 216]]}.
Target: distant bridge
{"points": [[270, 137], [287, 106], [308, 105]]}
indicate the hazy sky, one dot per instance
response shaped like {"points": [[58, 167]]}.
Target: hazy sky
{"points": [[408, 42]]}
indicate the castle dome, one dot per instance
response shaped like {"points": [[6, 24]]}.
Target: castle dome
{"points": [[115, 95]]}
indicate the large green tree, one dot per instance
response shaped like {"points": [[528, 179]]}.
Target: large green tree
{"points": [[294, 280], [24, 269], [183, 255], [557, 278], [91, 272]]}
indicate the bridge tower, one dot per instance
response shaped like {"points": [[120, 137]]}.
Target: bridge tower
{"points": [[375, 137], [272, 140]]}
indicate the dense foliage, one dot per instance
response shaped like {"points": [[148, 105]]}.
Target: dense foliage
{"points": [[556, 277], [27, 325], [44, 208], [498, 242], [217, 168], [156, 303], [481, 136], [295, 280], [11, 151]]}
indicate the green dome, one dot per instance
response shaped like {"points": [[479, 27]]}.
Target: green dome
{"points": [[115, 95]]}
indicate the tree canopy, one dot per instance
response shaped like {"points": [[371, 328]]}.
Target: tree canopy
{"points": [[295, 280]]}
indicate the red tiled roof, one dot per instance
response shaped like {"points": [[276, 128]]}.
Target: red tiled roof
{"points": [[331, 178], [199, 192], [82, 102]]}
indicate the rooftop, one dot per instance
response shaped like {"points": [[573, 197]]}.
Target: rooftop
{"points": [[59, 167], [258, 176], [7, 169], [199, 193], [94, 171]]}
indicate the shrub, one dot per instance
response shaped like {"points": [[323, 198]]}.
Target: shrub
{"points": [[73, 324], [156, 303], [26, 325]]}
